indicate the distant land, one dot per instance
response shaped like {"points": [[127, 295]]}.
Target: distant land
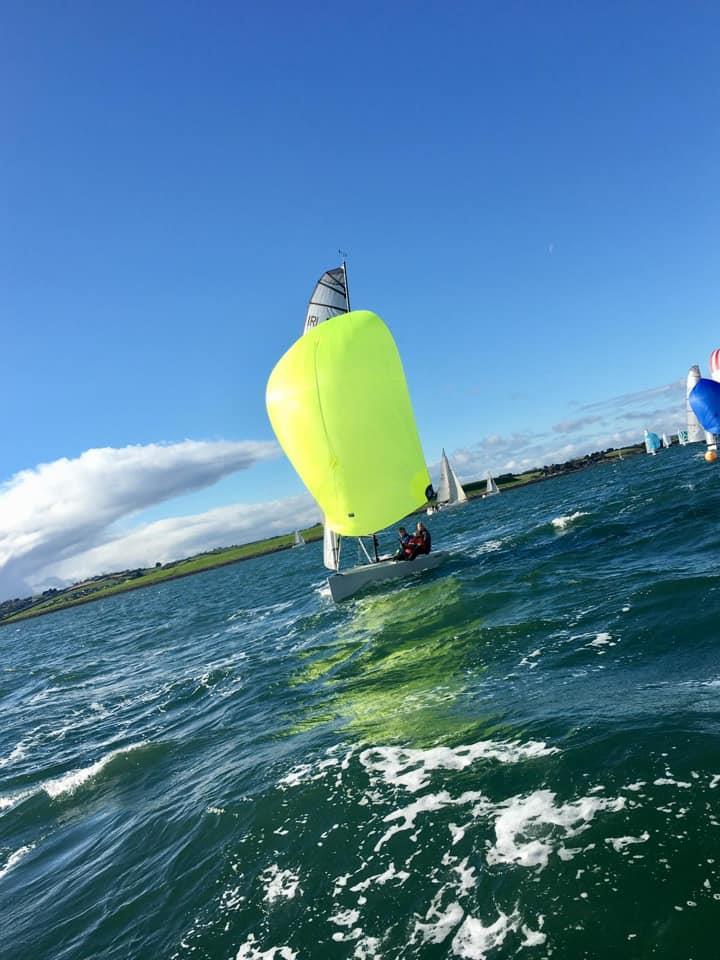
{"points": [[109, 584]]}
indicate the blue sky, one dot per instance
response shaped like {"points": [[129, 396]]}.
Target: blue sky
{"points": [[528, 194]]}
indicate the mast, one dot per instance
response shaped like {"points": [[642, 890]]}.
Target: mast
{"points": [[345, 278]]}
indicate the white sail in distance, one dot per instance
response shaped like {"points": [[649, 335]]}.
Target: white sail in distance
{"points": [[491, 488], [299, 539], [329, 298], [449, 488]]}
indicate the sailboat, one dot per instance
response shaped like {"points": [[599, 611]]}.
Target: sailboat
{"points": [[683, 437], [450, 491], [491, 488], [299, 539], [665, 441], [652, 443], [361, 461]]}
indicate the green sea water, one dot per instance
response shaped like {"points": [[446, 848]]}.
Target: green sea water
{"points": [[514, 755]]}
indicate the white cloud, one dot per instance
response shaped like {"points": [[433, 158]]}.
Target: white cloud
{"points": [[615, 422], [68, 507], [177, 537]]}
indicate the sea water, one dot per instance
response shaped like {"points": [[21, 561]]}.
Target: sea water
{"points": [[514, 755]]}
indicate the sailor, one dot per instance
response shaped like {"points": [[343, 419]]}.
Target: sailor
{"points": [[405, 547], [423, 540]]}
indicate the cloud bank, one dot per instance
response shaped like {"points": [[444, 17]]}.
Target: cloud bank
{"points": [[69, 507], [615, 422]]}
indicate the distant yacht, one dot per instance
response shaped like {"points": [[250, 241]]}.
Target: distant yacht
{"points": [[299, 539], [450, 491], [665, 441], [491, 488]]}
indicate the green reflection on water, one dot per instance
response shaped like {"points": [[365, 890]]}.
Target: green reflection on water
{"points": [[398, 669]]}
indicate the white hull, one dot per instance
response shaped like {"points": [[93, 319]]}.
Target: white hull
{"points": [[345, 584]]}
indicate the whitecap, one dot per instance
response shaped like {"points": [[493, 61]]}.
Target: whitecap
{"points": [[562, 523], [71, 781], [15, 858]]}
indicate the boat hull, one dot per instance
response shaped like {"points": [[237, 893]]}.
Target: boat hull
{"points": [[349, 582]]}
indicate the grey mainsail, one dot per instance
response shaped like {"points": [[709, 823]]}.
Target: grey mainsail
{"points": [[329, 298]]}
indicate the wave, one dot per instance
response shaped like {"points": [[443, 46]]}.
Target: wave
{"points": [[562, 523], [15, 858], [68, 783]]}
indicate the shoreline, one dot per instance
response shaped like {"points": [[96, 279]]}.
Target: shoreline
{"points": [[153, 577]]}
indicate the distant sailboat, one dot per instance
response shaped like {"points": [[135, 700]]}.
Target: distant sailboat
{"points": [[665, 441], [491, 488], [299, 539], [652, 443], [450, 491]]}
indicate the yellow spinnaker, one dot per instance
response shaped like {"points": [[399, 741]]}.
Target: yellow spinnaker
{"points": [[339, 405]]}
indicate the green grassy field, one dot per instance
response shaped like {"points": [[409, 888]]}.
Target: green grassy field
{"points": [[91, 590]]}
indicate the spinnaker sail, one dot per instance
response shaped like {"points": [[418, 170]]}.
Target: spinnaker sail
{"points": [[362, 461], [449, 489], [652, 442], [694, 430], [329, 298]]}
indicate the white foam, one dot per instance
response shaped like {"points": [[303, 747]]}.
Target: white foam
{"points": [[473, 940], [524, 815], [248, 951], [279, 884], [715, 781], [17, 754], [467, 877], [562, 523], [381, 879], [15, 858], [367, 949], [600, 640], [619, 843], [345, 918], [71, 781], [670, 782], [429, 803], [411, 769], [435, 931]]}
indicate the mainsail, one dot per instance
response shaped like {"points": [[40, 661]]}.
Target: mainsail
{"points": [[361, 461], [299, 539], [665, 441], [329, 298], [449, 489], [491, 488]]}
